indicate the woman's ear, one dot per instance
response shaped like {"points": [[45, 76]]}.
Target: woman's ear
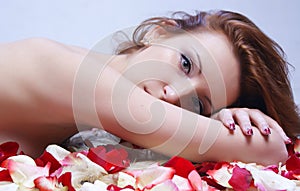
{"points": [[159, 31]]}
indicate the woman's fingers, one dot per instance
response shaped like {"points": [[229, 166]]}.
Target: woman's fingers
{"points": [[275, 126], [246, 118], [242, 117], [225, 115], [266, 123], [259, 120]]}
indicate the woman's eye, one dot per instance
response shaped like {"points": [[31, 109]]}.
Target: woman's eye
{"points": [[198, 106], [186, 64], [201, 107]]}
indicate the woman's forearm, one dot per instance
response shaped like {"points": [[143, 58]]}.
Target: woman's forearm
{"points": [[134, 115]]}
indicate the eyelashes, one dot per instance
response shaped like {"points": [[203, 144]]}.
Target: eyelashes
{"points": [[185, 64], [198, 105]]}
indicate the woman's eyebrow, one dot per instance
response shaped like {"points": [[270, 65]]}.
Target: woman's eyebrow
{"points": [[198, 60]]}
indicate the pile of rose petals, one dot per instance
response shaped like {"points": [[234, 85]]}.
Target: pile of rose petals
{"points": [[108, 168]]}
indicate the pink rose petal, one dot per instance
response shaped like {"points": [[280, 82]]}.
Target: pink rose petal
{"points": [[167, 185], [195, 180], [241, 179], [113, 187], [182, 183]]}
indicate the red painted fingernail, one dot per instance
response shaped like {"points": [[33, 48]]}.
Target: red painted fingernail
{"points": [[267, 131], [249, 132], [232, 126]]}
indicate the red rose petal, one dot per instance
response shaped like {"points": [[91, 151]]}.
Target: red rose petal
{"points": [[182, 166], [203, 167], [293, 163], [112, 161], [8, 149], [5, 176], [240, 179], [66, 180], [45, 158]]}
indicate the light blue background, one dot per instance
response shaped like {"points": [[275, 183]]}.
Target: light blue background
{"points": [[85, 22]]}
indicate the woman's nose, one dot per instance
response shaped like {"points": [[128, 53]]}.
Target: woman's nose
{"points": [[170, 95]]}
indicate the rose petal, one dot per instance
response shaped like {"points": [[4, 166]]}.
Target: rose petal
{"points": [[182, 183], [8, 149], [4, 175], [211, 183], [65, 179], [240, 179], [222, 174], [293, 163], [207, 187], [195, 180], [9, 186], [96, 186], [203, 167], [273, 168], [124, 179], [112, 161], [23, 170], [153, 176], [116, 188], [82, 169], [269, 180], [182, 166], [46, 158], [167, 185], [57, 152], [48, 184]]}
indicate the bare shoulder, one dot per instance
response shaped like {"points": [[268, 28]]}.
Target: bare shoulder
{"points": [[38, 48]]}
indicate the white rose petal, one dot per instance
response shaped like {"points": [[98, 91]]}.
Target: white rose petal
{"points": [[96, 186], [125, 179], [57, 152]]}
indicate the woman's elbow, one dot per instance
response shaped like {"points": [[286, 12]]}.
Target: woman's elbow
{"points": [[275, 153]]}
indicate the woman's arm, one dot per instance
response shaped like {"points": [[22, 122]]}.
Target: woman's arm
{"points": [[47, 87], [168, 129]]}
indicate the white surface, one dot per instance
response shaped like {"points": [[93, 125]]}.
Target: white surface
{"points": [[85, 22]]}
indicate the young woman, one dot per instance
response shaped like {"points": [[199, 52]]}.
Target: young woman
{"points": [[152, 92]]}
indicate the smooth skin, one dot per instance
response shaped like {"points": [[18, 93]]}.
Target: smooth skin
{"points": [[38, 106]]}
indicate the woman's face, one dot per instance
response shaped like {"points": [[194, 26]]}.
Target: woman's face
{"points": [[196, 71]]}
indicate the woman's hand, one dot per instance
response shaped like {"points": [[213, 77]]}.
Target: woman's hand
{"points": [[246, 118]]}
